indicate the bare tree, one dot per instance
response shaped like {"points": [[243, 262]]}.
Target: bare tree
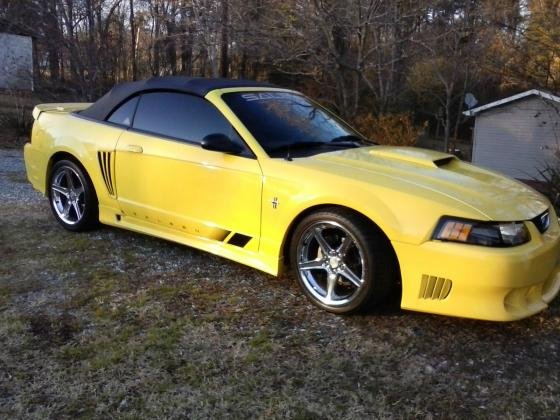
{"points": [[133, 40], [224, 65]]}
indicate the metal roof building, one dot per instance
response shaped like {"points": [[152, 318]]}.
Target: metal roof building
{"points": [[518, 135], [16, 62]]}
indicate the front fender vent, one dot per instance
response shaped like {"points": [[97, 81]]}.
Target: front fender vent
{"points": [[106, 166], [433, 287]]}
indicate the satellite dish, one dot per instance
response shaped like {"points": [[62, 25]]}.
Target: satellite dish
{"points": [[470, 100]]}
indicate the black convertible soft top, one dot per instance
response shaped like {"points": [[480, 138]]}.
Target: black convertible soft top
{"points": [[198, 86]]}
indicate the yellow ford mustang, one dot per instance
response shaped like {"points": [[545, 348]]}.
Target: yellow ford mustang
{"points": [[266, 177]]}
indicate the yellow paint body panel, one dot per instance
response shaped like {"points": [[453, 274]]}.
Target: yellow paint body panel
{"points": [[201, 192], [202, 198]]}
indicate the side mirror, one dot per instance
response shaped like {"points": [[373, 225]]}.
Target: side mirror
{"points": [[220, 143]]}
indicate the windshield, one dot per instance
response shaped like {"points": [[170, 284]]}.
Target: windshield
{"points": [[288, 123]]}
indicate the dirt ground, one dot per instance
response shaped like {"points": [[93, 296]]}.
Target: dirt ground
{"points": [[115, 324]]}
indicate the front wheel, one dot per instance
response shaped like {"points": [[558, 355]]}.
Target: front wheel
{"points": [[342, 262], [72, 197]]}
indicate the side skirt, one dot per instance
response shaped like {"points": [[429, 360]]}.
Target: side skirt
{"points": [[253, 259]]}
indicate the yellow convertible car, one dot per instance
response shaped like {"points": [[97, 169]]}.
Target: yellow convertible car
{"points": [[266, 177]]}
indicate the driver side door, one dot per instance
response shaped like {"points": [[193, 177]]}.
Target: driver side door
{"points": [[165, 178]]}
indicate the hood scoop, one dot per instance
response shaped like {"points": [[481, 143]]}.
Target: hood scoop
{"points": [[426, 158], [444, 161]]}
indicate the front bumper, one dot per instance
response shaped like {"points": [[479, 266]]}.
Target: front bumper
{"points": [[498, 284]]}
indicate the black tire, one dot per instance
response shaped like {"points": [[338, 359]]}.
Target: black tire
{"points": [[371, 255], [72, 197]]}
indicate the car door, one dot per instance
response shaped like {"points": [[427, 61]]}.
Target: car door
{"points": [[165, 178]]}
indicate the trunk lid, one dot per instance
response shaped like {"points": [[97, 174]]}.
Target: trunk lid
{"points": [[59, 108]]}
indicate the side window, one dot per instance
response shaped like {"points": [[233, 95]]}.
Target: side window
{"points": [[183, 117], [124, 114]]}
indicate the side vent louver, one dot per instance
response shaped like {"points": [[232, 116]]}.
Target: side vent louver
{"points": [[239, 240], [433, 287], [106, 170]]}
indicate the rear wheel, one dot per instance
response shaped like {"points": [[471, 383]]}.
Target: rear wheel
{"points": [[342, 263], [72, 197]]}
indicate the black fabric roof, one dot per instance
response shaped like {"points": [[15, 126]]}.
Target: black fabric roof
{"points": [[199, 86]]}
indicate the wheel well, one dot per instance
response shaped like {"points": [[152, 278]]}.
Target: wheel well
{"points": [[60, 156], [305, 213]]}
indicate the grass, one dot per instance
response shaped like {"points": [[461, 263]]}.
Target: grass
{"points": [[111, 323]]}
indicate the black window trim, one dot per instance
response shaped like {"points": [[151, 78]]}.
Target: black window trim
{"points": [[250, 154], [161, 136]]}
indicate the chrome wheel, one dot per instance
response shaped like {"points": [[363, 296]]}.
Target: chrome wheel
{"points": [[68, 195], [330, 263]]}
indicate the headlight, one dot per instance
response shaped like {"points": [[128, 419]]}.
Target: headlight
{"points": [[482, 233]]}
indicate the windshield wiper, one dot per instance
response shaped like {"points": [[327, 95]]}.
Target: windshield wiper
{"points": [[298, 145], [349, 138], [338, 142], [295, 146]]}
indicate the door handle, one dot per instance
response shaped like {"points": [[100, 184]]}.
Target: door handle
{"points": [[133, 148]]}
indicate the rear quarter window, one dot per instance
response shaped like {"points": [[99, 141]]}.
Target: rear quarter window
{"points": [[124, 114]]}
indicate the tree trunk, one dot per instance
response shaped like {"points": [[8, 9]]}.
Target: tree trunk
{"points": [[224, 64], [460, 107], [133, 42], [243, 66], [447, 124], [187, 38], [91, 56], [76, 66], [53, 53], [156, 41], [170, 44]]}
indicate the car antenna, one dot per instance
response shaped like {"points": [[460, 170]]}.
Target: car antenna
{"points": [[288, 157]]}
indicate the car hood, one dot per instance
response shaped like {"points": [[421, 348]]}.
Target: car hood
{"points": [[494, 196]]}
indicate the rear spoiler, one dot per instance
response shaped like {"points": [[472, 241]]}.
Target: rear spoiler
{"points": [[59, 108]]}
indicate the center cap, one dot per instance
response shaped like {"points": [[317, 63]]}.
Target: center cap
{"points": [[334, 262]]}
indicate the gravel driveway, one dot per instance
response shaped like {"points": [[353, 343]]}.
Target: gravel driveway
{"points": [[14, 187], [111, 323]]}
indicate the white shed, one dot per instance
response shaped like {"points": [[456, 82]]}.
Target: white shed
{"points": [[16, 62], [517, 135]]}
